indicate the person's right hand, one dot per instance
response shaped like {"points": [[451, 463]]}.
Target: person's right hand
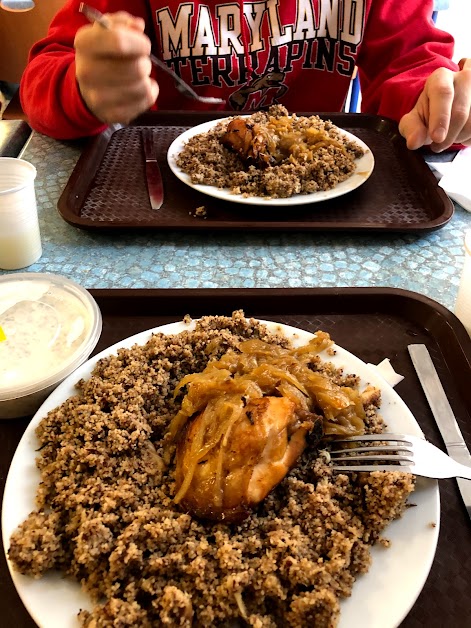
{"points": [[112, 68]]}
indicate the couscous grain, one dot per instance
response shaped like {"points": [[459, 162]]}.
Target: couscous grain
{"points": [[105, 513]]}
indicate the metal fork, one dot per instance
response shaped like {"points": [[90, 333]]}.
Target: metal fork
{"points": [[405, 453], [93, 15]]}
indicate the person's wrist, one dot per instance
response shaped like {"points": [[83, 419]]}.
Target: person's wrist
{"points": [[85, 104]]}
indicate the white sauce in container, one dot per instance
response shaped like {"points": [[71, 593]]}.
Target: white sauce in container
{"points": [[49, 327]]}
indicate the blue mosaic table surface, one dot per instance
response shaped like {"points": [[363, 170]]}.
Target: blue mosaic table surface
{"points": [[429, 263]]}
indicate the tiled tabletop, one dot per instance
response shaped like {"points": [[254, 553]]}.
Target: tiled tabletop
{"points": [[429, 264]]}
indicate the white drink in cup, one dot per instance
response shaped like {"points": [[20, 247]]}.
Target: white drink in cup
{"points": [[20, 240], [463, 301]]}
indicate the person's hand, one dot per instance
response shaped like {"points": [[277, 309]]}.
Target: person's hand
{"points": [[442, 114], [112, 68]]}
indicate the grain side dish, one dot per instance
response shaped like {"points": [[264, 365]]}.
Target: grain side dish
{"points": [[106, 514], [270, 154]]}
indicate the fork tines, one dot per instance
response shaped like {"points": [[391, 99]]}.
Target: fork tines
{"points": [[375, 455]]}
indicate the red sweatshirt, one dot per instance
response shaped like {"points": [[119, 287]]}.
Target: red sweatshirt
{"points": [[300, 53]]}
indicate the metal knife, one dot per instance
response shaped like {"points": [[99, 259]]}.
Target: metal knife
{"points": [[444, 417], [153, 174]]}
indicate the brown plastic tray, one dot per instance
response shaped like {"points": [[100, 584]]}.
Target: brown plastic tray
{"points": [[107, 189], [371, 323]]}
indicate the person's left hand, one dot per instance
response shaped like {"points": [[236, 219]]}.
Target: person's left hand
{"points": [[442, 114]]}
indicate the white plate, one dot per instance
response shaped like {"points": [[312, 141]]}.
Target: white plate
{"points": [[364, 168], [382, 597]]}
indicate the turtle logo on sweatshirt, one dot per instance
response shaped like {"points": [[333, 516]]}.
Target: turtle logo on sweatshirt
{"points": [[272, 81]]}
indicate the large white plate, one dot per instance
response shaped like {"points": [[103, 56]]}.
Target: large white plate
{"points": [[380, 598], [364, 168]]}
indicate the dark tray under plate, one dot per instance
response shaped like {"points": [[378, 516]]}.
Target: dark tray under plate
{"points": [[107, 189], [371, 323]]}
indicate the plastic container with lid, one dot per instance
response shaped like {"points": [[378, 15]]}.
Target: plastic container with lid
{"points": [[49, 325]]}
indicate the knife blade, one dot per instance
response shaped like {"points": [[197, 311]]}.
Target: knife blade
{"points": [[443, 414], [153, 174]]}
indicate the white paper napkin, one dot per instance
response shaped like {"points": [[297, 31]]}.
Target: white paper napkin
{"points": [[387, 372], [456, 177]]}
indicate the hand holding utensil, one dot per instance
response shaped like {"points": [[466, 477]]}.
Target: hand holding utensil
{"points": [[93, 15]]}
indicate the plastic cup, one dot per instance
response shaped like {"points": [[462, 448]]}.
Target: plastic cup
{"points": [[20, 239], [463, 301]]}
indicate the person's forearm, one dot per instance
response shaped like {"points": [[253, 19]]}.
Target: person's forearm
{"points": [[49, 92], [51, 99], [393, 69], [398, 94]]}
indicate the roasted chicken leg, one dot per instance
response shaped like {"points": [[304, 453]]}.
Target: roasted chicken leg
{"points": [[249, 142]]}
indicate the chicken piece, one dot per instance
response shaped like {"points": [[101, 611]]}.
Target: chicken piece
{"points": [[248, 141], [238, 138], [250, 459], [371, 396]]}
